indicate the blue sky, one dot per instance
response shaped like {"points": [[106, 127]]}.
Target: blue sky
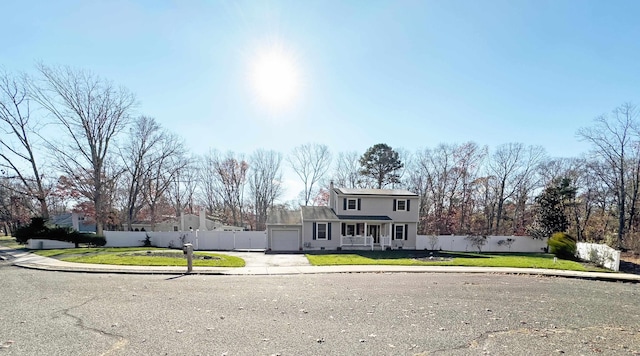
{"points": [[411, 74]]}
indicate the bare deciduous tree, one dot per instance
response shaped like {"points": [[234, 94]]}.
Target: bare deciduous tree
{"points": [[444, 176], [184, 187], [208, 187], [310, 162], [149, 148], [264, 183], [229, 174], [91, 112], [165, 165], [347, 171], [17, 147], [512, 165], [612, 138]]}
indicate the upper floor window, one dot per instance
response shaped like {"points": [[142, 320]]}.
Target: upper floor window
{"points": [[401, 204], [351, 204]]}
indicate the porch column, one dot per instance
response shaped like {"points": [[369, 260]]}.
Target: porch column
{"points": [[365, 233]]}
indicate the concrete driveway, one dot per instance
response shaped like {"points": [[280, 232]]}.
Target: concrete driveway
{"points": [[260, 259]]}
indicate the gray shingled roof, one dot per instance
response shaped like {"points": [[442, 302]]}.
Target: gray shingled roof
{"points": [[365, 217], [318, 213], [385, 192], [284, 217]]}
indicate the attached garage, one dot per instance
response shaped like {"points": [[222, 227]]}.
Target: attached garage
{"points": [[285, 240], [284, 230]]}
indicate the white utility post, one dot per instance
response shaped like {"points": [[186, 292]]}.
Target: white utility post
{"points": [[188, 251]]}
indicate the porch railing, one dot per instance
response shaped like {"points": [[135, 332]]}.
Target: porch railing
{"points": [[363, 241], [353, 241]]}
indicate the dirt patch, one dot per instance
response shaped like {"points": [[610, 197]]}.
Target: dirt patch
{"points": [[433, 257], [630, 262]]}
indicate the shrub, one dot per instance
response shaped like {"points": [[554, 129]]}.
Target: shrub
{"points": [[477, 241], [59, 234], [562, 245], [147, 241], [37, 229], [95, 240]]}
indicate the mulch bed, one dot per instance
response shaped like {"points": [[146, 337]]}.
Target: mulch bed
{"points": [[630, 263]]}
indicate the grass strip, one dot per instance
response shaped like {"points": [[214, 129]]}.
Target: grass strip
{"points": [[406, 258], [10, 242], [127, 256], [91, 250]]}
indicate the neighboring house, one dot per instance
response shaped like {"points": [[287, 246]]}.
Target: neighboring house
{"points": [[354, 219], [186, 222], [73, 220]]}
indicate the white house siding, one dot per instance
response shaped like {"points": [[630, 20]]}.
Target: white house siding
{"points": [[410, 242], [311, 244], [380, 205], [383, 206]]}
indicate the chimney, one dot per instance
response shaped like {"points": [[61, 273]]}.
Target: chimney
{"points": [[331, 198]]}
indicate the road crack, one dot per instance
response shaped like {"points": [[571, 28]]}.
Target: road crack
{"points": [[79, 322], [482, 340]]}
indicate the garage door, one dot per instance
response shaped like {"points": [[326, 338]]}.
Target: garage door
{"points": [[285, 240]]}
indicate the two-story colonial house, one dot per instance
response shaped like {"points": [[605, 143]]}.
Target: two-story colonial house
{"points": [[354, 219]]}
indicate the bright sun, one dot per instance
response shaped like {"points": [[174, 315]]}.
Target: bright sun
{"points": [[275, 78]]}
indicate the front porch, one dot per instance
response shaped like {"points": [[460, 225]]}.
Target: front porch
{"points": [[366, 234]]}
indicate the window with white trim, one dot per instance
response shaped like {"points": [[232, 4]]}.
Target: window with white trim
{"points": [[351, 230], [321, 231], [401, 205], [399, 232], [352, 204]]}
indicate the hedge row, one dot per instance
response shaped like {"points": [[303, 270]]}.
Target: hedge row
{"points": [[38, 230]]}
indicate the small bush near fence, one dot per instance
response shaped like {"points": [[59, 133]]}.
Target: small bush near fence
{"points": [[563, 245], [477, 241], [38, 229]]}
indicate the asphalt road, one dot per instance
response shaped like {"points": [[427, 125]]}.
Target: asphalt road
{"points": [[54, 313]]}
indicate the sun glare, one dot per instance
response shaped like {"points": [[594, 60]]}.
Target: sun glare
{"points": [[275, 77]]}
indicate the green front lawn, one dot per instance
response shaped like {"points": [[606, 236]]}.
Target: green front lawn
{"points": [[10, 242], [441, 258], [141, 256]]}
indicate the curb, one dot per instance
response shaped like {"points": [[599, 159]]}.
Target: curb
{"points": [[264, 271], [6, 254]]}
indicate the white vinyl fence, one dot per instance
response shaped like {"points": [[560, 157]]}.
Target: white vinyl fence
{"points": [[601, 255], [42, 244], [493, 243], [201, 240]]}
